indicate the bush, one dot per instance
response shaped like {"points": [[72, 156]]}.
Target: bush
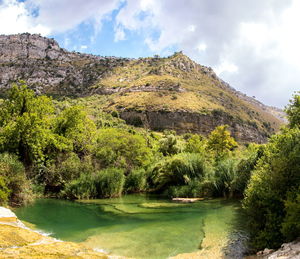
{"points": [[195, 144], [291, 222], [109, 183], [63, 170], [177, 170], [82, 188], [194, 189], [119, 148], [276, 175], [136, 181], [246, 166], [13, 176], [225, 176], [220, 142], [4, 192], [168, 144]]}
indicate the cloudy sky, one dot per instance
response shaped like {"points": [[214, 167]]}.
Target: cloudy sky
{"points": [[252, 44]]}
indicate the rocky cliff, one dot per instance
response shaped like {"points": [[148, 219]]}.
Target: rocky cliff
{"points": [[159, 93], [47, 68]]}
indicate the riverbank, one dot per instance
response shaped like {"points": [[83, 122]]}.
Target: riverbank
{"points": [[18, 241]]}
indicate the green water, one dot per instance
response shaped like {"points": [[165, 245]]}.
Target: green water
{"points": [[135, 225]]}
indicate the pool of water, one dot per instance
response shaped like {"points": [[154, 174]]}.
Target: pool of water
{"points": [[136, 226]]}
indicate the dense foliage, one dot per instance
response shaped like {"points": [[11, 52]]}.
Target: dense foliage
{"points": [[64, 149], [272, 195]]}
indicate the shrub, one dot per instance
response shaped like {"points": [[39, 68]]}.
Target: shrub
{"points": [[168, 144], [109, 183], [177, 170], [136, 181], [82, 188], [4, 192], [193, 189], [119, 148], [246, 166], [224, 179], [220, 141], [65, 168], [195, 144], [12, 172], [276, 175], [291, 222]]}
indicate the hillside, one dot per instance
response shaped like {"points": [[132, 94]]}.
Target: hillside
{"points": [[158, 93]]}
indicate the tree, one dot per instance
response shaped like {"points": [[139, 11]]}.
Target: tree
{"points": [[168, 144], [276, 175], [74, 124], [220, 141], [119, 148], [25, 124], [293, 111], [195, 144]]}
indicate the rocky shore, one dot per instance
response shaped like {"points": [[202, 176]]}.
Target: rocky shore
{"points": [[18, 241], [286, 251]]}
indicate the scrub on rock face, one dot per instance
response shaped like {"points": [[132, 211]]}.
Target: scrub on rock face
{"points": [[135, 225]]}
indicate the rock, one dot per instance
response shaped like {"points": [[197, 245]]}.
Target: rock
{"points": [[47, 68], [286, 251], [193, 122], [18, 241], [187, 200]]}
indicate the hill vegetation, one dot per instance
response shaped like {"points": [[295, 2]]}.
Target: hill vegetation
{"points": [[183, 95]]}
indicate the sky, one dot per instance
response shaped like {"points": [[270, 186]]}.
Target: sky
{"points": [[254, 45]]}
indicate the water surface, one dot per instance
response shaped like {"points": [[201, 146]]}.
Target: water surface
{"points": [[135, 225]]}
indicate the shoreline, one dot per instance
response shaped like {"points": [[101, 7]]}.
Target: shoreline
{"points": [[19, 241]]}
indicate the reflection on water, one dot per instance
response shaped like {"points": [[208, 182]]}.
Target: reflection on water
{"points": [[136, 225]]}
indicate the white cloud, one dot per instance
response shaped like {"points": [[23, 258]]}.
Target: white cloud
{"points": [[119, 34], [201, 47], [226, 66], [50, 17], [16, 18]]}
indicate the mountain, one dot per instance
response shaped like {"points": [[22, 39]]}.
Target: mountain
{"points": [[157, 93]]}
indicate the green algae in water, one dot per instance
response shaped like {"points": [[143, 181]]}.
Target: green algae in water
{"points": [[135, 225]]}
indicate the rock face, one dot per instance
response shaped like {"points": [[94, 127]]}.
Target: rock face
{"points": [[47, 68], [184, 121]]}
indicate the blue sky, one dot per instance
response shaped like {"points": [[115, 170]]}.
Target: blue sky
{"points": [[251, 44]]}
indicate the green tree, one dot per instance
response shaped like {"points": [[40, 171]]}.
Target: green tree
{"points": [[276, 175], [293, 111], [25, 124], [195, 144], [74, 124], [168, 144], [14, 186], [119, 148], [179, 169], [220, 141]]}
